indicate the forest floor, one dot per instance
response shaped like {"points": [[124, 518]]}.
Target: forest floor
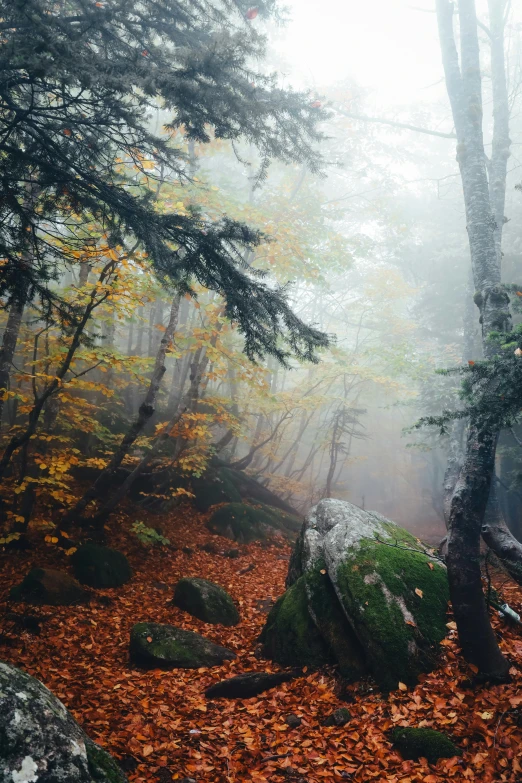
{"points": [[162, 720]]}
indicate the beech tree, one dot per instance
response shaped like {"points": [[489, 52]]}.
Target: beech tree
{"points": [[484, 185]]}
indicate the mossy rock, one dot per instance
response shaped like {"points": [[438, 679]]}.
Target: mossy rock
{"points": [[282, 520], [100, 566], [290, 636], [377, 597], [241, 522], [173, 648], [423, 743], [214, 488], [332, 624], [41, 741], [205, 600], [396, 600], [47, 587]]}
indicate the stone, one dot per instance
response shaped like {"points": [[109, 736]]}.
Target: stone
{"points": [[293, 721], [40, 740], [339, 717], [376, 596], [241, 522], [101, 567], [205, 600], [244, 686], [47, 587], [166, 647], [213, 488], [415, 743]]}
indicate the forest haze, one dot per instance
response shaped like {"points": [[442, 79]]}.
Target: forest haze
{"points": [[260, 347]]}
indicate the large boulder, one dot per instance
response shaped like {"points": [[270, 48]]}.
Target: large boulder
{"points": [[166, 647], [47, 587], [205, 600], [375, 594], [213, 488], [40, 741], [100, 566]]}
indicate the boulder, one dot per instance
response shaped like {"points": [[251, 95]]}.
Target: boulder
{"points": [[47, 587], [415, 743], [41, 741], [166, 647], [338, 717], [375, 594], [241, 522], [100, 566], [244, 686], [205, 600], [213, 488]]}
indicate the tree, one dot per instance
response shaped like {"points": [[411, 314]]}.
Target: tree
{"points": [[79, 81], [484, 203]]}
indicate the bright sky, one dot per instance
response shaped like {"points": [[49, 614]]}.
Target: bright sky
{"points": [[386, 45]]}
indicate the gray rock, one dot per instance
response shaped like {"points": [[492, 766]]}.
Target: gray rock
{"points": [[339, 717], [40, 742], [244, 686], [100, 566], [173, 648], [205, 600], [376, 595]]}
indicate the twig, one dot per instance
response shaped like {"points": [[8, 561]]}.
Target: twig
{"points": [[431, 555], [275, 757]]}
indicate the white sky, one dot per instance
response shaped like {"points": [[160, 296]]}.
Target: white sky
{"points": [[386, 45]]}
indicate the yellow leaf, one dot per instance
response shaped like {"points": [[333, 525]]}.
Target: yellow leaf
{"points": [[323, 571], [486, 715], [147, 750], [419, 592], [452, 626], [70, 551], [403, 687], [431, 566]]}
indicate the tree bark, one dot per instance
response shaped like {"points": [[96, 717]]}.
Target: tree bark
{"points": [[7, 351], [469, 500]]}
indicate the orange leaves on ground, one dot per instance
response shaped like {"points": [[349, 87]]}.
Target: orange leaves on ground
{"points": [[164, 722]]}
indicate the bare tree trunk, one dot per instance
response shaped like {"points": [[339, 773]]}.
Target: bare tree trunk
{"points": [[469, 500], [146, 410]]}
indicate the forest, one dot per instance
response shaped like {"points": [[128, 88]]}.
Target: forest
{"points": [[260, 391]]}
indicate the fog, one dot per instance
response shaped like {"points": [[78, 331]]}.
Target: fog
{"points": [[371, 248]]}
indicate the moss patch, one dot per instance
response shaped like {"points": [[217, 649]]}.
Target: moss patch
{"points": [[424, 743], [101, 766], [100, 566], [399, 629], [290, 636], [240, 522], [206, 600], [213, 489], [332, 623]]}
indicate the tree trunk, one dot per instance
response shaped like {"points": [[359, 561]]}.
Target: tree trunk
{"points": [[469, 501], [7, 351]]}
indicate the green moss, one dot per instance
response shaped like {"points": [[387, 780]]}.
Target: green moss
{"points": [[332, 623], [215, 488], [424, 743], [171, 647], [102, 766], [240, 522], [99, 566], [282, 520], [398, 651], [206, 600], [290, 636]]}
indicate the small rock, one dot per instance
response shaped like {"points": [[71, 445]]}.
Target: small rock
{"points": [[244, 686], [247, 569], [264, 605], [100, 566], [47, 587], [187, 550], [164, 775], [161, 586], [233, 554], [166, 647], [293, 721], [205, 600], [187, 780], [415, 743], [338, 718]]}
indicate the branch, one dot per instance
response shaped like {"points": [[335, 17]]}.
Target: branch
{"points": [[394, 124]]}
